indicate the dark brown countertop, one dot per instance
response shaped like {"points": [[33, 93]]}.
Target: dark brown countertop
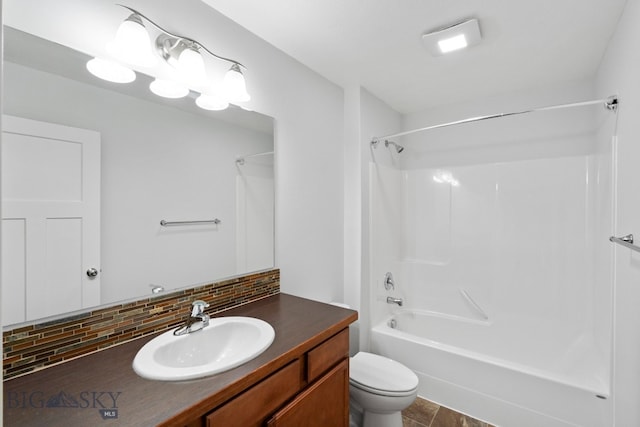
{"points": [[101, 389]]}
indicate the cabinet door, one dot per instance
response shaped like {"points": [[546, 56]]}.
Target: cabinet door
{"points": [[324, 403]]}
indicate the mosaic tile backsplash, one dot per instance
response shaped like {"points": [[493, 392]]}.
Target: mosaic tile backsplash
{"points": [[33, 347]]}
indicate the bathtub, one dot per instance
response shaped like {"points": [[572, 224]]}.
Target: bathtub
{"points": [[470, 366]]}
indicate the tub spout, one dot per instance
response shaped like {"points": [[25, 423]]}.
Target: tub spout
{"points": [[392, 300]]}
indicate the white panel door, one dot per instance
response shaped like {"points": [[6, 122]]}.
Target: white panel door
{"points": [[51, 219]]}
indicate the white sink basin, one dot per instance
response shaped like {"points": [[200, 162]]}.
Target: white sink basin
{"points": [[226, 343]]}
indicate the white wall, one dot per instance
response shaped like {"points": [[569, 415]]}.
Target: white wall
{"points": [[376, 119], [352, 198], [619, 73], [365, 117], [158, 163], [1, 97], [308, 111]]}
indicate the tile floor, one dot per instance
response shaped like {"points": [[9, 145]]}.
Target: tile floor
{"points": [[423, 413]]}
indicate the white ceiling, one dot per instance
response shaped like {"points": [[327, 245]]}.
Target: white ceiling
{"points": [[377, 43]]}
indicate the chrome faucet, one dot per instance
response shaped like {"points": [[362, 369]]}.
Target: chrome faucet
{"points": [[392, 300], [197, 320]]}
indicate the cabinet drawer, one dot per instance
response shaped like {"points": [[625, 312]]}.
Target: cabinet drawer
{"points": [[325, 403], [327, 354], [252, 407]]}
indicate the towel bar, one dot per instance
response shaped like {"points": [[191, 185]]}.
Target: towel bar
{"points": [[626, 241], [208, 221]]}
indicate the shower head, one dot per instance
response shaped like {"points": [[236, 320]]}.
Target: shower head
{"points": [[399, 148]]}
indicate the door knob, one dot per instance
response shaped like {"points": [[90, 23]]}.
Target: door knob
{"points": [[92, 272]]}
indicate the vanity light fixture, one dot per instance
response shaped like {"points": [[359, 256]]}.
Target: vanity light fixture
{"points": [[235, 86], [212, 102], [131, 44], [184, 56], [182, 59], [110, 71], [453, 37], [168, 88]]}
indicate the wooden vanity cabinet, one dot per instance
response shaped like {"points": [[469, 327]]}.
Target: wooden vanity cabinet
{"points": [[302, 380], [312, 390]]}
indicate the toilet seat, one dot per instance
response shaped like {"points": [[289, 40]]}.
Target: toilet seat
{"points": [[380, 375]]}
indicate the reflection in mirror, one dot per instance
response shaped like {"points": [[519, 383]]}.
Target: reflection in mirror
{"points": [[90, 169]]}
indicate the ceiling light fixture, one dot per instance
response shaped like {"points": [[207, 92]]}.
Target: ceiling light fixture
{"points": [[453, 37], [453, 43], [132, 46]]}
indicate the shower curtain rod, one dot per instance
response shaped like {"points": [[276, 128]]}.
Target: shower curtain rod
{"points": [[610, 103], [240, 160]]}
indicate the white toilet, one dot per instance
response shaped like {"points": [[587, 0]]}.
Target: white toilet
{"points": [[379, 389]]}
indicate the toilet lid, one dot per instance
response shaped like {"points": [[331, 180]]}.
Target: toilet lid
{"points": [[380, 373]]}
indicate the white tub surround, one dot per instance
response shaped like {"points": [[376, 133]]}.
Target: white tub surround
{"points": [[497, 236]]}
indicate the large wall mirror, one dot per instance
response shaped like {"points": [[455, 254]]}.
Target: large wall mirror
{"points": [[91, 168]]}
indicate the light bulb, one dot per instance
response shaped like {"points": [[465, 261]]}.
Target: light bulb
{"points": [[212, 102], [453, 43], [132, 43], [168, 88], [234, 85], [110, 71], [191, 65]]}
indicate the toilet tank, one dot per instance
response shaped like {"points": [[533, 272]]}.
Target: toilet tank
{"points": [[354, 332]]}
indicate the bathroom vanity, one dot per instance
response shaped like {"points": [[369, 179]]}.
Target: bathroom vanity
{"points": [[301, 379]]}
